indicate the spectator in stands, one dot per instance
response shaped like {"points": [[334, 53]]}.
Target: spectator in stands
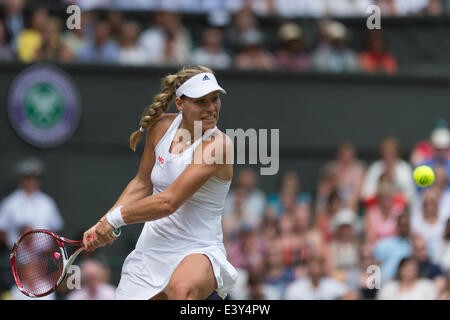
{"points": [[289, 244], [427, 269], [276, 275], [6, 53], [348, 173], [289, 185], [434, 8], [348, 8], [344, 248], [252, 54], [245, 203], [442, 192], [375, 56], [308, 8], [292, 53], [300, 242], [211, 53], [328, 203], [424, 151], [100, 49], [75, 41], [247, 251], [28, 206], [441, 185], [441, 254], [94, 283], [308, 241], [116, 21], [408, 285], [367, 286], [234, 220], [29, 40], [14, 20], [256, 288], [337, 56], [396, 169], [316, 286], [130, 52], [89, 19], [52, 47], [427, 223], [243, 21], [440, 139], [444, 294], [389, 251], [381, 217], [167, 42], [400, 7]]}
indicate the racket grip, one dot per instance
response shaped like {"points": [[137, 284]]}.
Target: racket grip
{"points": [[116, 232]]}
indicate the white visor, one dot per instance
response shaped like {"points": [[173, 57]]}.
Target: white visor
{"points": [[199, 86]]}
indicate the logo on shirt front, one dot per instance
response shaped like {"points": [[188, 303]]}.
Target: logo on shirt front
{"points": [[160, 160]]}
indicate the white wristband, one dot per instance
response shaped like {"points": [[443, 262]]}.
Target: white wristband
{"points": [[115, 217]]}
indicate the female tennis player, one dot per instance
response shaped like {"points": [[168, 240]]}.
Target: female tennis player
{"points": [[180, 253]]}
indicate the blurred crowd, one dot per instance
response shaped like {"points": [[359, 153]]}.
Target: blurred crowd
{"points": [[237, 41], [367, 231], [286, 8]]}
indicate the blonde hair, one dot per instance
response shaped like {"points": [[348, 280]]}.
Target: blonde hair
{"points": [[162, 101]]}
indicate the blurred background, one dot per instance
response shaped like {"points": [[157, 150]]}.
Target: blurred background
{"points": [[357, 111]]}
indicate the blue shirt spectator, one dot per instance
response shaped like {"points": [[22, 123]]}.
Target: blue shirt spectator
{"points": [[101, 48], [390, 251]]}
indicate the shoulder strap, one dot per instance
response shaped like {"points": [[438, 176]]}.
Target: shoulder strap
{"points": [[208, 133], [170, 132]]}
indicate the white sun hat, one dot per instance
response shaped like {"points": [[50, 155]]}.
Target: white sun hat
{"points": [[440, 138], [199, 86]]}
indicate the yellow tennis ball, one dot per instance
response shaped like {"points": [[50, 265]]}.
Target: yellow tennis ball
{"points": [[424, 176]]}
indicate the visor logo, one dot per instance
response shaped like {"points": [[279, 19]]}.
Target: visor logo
{"points": [[205, 77]]}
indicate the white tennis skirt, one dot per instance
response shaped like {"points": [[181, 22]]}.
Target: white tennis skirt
{"points": [[145, 274]]}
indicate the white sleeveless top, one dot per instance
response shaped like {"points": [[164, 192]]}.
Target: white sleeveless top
{"points": [[196, 227]]}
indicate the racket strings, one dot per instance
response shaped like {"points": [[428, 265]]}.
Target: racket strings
{"points": [[39, 263]]}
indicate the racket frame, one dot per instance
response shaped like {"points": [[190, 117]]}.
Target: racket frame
{"points": [[67, 261]]}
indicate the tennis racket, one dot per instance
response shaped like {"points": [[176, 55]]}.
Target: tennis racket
{"points": [[40, 260]]}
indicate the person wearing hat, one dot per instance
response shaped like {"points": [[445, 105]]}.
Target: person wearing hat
{"points": [[344, 248], [28, 207], [439, 139], [336, 56], [252, 54], [292, 54], [179, 193]]}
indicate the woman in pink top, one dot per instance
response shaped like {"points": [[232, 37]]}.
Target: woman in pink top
{"points": [[381, 218]]}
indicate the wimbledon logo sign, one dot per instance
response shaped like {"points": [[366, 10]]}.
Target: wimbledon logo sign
{"points": [[43, 106]]}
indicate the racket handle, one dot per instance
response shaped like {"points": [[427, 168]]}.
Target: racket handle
{"points": [[116, 232]]}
